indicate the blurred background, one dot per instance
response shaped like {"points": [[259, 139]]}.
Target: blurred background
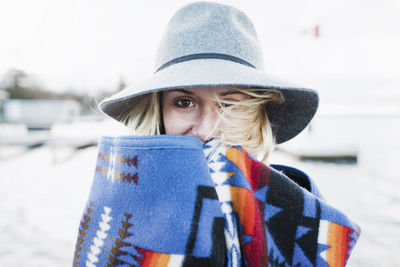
{"points": [[58, 59]]}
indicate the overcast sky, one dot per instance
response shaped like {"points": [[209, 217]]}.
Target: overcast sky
{"points": [[90, 44]]}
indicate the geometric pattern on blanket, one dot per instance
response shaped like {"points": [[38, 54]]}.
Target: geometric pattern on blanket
{"points": [[300, 229], [161, 202]]}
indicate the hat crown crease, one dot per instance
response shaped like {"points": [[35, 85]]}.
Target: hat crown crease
{"points": [[199, 29]]}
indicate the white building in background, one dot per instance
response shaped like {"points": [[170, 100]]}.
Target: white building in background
{"points": [[39, 113], [3, 95]]}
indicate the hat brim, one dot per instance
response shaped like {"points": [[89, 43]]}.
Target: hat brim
{"points": [[287, 119]]}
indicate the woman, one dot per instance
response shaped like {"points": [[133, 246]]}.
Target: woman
{"points": [[157, 201]]}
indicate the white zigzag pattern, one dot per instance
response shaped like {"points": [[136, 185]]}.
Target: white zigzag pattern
{"points": [[111, 166], [224, 196], [218, 176], [98, 240], [323, 235]]}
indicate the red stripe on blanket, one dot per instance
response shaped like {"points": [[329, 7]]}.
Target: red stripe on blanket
{"points": [[250, 210]]}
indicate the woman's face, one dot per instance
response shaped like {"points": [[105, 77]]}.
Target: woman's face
{"points": [[194, 111]]}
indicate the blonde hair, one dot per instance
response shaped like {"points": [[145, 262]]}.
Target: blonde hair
{"points": [[145, 116], [245, 122]]}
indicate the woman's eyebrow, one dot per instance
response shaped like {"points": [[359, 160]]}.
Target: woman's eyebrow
{"points": [[231, 92], [182, 91]]}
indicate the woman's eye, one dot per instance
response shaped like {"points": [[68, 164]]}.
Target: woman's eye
{"points": [[225, 105], [184, 103]]}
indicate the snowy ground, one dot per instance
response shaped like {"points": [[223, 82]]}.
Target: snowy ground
{"points": [[43, 192], [40, 202]]}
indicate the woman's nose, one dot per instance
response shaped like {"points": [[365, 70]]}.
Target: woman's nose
{"points": [[206, 125]]}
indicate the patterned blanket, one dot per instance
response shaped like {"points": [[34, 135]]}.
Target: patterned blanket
{"points": [[171, 201]]}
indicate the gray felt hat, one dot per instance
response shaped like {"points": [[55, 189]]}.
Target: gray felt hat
{"points": [[210, 44]]}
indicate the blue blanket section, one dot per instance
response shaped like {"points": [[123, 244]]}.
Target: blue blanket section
{"points": [[162, 202], [157, 194]]}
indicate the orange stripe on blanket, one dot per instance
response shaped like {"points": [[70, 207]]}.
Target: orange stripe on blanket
{"points": [[338, 239], [155, 259], [245, 206], [242, 161]]}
